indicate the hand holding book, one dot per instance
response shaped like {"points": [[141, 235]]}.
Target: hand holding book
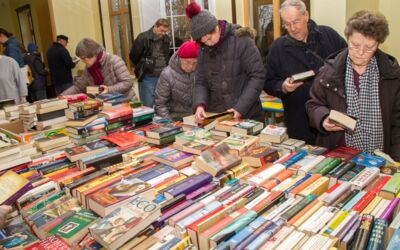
{"points": [[330, 126]]}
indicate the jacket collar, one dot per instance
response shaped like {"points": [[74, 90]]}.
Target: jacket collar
{"points": [[388, 69]]}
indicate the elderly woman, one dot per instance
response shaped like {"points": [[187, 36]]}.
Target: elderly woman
{"points": [[363, 82], [174, 91], [107, 71]]}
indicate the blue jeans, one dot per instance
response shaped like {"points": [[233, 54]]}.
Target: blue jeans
{"points": [[147, 90]]}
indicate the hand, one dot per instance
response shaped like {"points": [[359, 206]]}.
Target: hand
{"points": [[236, 115], [331, 127], [22, 99], [4, 210], [288, 87], [200, 114], [105, 89]]}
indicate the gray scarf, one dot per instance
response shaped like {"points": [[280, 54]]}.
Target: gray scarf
{"points": [[365, 106]]}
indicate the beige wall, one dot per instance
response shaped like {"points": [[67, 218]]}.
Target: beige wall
{"points": [[391, 10], [77, 20], [223, 10], [328, 12], [6, 17]]}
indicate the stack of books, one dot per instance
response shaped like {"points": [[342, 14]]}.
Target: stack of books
{"points": [[118, 119], [142, 115], [53, 143], [113, 100], [163, 134], [92, 131], [273, 134], [50, 112], [28, 116]]}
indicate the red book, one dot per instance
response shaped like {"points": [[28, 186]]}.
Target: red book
{"points": [[273, 182], [116, 112], [124, 139], [50, 243], [363, 202], [379, 184], [343, 152]]}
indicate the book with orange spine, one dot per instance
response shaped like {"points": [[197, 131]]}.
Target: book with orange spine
{"points": [[302, 212], [84, 194], [74, 176], [303, 185], [274, 181]]}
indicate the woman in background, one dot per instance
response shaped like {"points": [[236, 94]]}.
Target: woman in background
{"points": [[174, 91], [107, 71]]}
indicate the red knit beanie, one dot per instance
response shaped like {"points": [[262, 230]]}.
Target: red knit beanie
{"points": [[188, 49]]}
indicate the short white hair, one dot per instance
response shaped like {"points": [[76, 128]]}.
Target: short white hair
{"points": [[298, 4]]}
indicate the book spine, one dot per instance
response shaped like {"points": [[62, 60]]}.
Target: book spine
{"points": [[298, 207], [277, 179], [377, 235], [380, 184], [171, 212], [330, 166], [292, 160], [363, 203], [250, 229], [264, 235], [201, 191], [354, 201], [362, 233], [17, 195], [388, 212], [306, 177], [344, 198], [189, 185]]}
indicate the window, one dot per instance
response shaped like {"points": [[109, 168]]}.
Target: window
{"points": [[121, 28]]}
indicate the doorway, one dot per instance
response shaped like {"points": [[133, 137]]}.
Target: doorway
{"points": [[26, 25]]}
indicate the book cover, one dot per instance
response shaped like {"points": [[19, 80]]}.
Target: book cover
{"points": [[343, 152], [80, 152], [163, 131], [49, 243], [124, 139], [116, 112], [368, 160], [342, 120], [363, 232], [11, 185], [261, 155], [217, 159], [248, 127], [241, 144], [188, 185], [125, 222]]}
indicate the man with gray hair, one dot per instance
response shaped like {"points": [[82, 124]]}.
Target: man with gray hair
{"points": [[303, 48]]}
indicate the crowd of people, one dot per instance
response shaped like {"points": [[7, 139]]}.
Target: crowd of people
{"points": [[220, 69]]}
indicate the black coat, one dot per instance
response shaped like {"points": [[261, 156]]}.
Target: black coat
{"points": [[60, 64], [287, 57], [142, 47], [39, 73], [230, 75], [328, 92]]}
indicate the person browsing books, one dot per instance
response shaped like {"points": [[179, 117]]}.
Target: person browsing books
{"points": [[174, 91], [363, 82], [108, 72], [230, 72], [304, 48]]}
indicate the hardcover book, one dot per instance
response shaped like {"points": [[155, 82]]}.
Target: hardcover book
{"points": [[163, 131], [12, 186], [301, 76], [125, 222], [217, 159]]}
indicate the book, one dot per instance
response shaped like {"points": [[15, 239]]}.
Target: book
{"points": [[299, 77], [50, 102], [94, 90], [125, 222], [172, 157], [51, 140], [106, 200], [80, 122], [217, 159], [79, 152], [363, 232], [368, 160], [188, 185], [227, 125], [51, 242], [109, 96], [272, 133], [394, 241], [391, 188], [87, 104], [241, 144], [50, 115], [343, 152], [163, 131], [261, 155], [73, 229], [197, 146], [124, 139], [12, 186], [248, 127], [342, 120], [116, 112]]}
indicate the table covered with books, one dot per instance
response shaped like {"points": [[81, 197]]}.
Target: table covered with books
{"points": [[83, 173]]}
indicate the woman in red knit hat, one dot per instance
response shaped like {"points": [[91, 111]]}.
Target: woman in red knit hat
{"points": [[174, 91]]}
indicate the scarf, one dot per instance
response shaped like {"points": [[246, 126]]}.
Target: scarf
{"points": [[95, 70], [222, 26], [365, 106]]}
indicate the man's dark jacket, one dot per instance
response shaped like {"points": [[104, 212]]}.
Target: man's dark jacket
{"points": [[230, 75], [328, 92], [288, 56], [60, 64], [142, 47], [13, 50]]}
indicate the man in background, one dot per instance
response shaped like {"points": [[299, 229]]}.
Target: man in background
{"points": [[60, 64], [150, 54], [304, 48]]}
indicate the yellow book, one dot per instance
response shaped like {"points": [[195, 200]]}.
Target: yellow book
{"points": [[372, 205], [288, 183], [335, 222], [10, 185], [240, 170], [307, 215], [318, 187], [183, 244]]}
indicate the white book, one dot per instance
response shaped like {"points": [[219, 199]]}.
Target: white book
{"points": [[366, 176], [259, 198], [14, 163], [312, 218], [281, 235], [310, 165], [331, 197], [283, 207], [381, 207], [238, 194], [314, 242], [40, 189], [349, 218], [267, 174], [291, 241], [163, 177]]}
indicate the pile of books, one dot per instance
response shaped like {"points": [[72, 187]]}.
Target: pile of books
{"points": [[28, 116], [118, 119], [142, 115], [50, 112], [112, 100], [162, 135], [53, 143]]}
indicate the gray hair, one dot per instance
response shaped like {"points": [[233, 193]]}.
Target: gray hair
{"points": [[88, 48], [298, 4]]}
